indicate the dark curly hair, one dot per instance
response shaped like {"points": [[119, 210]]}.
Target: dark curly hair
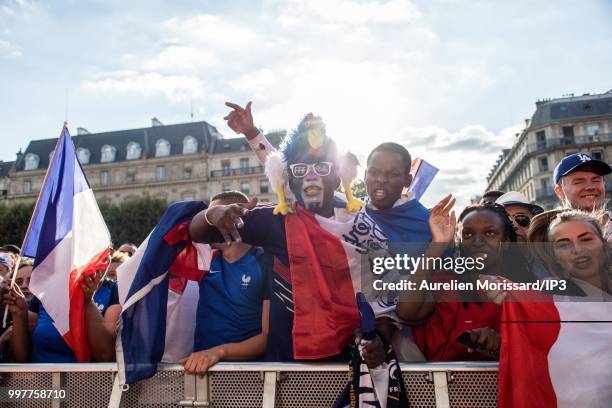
{"points": [[515, 265], [509, 229]]}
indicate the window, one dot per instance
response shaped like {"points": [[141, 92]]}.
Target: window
{"points": [[27, 186], [568, 135], [244, 165], [160, 173], [130, 177], [593, 130], [543, 163], [162, 148], [226, 187], [225, 166], [108, 153], [597, 155], [187, 172], [104, 178], [133, 151], [83, 154], [245, 187], [190, 145], [541, 139], [263, 186], [31, 161]]}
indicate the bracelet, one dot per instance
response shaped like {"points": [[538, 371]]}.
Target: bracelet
{"points": [[207, 220]]}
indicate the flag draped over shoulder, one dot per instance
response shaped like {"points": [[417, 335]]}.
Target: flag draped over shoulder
{"points": [[326, 257], [555, 354], [68, 238], [143, 290], [325, 313]]}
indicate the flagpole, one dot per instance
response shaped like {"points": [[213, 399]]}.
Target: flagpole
{"points": [[4, 319], [15, 269]]}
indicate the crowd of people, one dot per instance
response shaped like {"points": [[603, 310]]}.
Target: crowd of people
{"points": [[245, 306]]}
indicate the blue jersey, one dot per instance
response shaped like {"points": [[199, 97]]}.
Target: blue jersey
{"points": [[231, 297], [48, 346]]}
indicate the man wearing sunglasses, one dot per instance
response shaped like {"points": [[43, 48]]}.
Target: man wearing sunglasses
{"points": [[295, 242], [521, 211]]}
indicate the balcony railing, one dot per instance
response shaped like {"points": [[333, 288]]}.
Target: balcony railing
{"points": [[544, 193], [241, 171], [568, 141]]}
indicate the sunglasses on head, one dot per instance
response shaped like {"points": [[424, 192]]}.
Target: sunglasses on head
{"points": [[522, 220], [299, 170]]}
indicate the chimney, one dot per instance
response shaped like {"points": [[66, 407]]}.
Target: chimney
{"points": [[156, 122], [527, 122], [83, 131], [19, 155]]}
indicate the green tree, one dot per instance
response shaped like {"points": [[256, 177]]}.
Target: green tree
{"points": [[14, 222], [132, 220]]}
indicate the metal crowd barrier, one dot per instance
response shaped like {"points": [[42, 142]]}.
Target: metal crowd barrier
{"points": [[246, 385]]}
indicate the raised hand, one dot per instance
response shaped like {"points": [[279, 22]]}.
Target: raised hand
{"points": [[227, 219], [240, 120], [442, 221], [90, 285], [15, 301]]}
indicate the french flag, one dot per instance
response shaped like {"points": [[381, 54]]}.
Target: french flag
{"points": [[326, 257], [423, 174], [151, 286], [68, 238], [555, 353]]}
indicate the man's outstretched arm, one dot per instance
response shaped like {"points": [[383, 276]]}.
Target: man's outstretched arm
{"points": [[240, 120], [220, 223]]}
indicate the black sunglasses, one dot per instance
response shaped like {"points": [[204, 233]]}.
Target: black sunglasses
{"points": [[522, 220]]}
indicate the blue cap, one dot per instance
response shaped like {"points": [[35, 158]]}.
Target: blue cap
{"points": [[575, 161]]}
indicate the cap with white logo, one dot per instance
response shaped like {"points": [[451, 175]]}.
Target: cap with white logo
{"points": [[577, 161]]}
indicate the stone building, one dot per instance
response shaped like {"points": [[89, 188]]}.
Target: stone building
{"points": [[174, 162], [558, 127]]}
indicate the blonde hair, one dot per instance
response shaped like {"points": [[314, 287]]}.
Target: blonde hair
{"points": [[543, 224]]}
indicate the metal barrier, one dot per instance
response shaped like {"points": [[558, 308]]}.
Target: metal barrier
{"points": [[237, 385]]}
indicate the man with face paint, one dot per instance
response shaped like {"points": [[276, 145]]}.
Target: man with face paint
{"points": [[403, 219], [311, 165]]}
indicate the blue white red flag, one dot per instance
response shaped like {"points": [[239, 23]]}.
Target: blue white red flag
{"points": [[68, 238], [148, 296], [423, 174]]}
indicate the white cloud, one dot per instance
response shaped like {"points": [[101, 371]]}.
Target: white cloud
{"points": [[10, 50], [179, 58], [176, 88], [349, 12], [464, 157]]}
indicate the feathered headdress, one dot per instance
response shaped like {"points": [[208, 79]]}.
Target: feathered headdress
{"points": [[309, 137]]}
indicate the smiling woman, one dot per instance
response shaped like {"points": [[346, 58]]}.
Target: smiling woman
{"points": [[579, 252]]}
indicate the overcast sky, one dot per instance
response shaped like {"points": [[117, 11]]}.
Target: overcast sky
{"points": [[452, 80]]}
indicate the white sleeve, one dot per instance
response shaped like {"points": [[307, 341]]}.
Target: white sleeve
{"points": [[262, 147]]}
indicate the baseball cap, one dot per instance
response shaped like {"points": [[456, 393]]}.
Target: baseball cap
{"points": [[516, 198], [575, 161]]}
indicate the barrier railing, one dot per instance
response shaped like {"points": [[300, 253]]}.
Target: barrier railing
{"points": [[236, 385]]}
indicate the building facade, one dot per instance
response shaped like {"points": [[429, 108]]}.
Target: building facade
{"points": [[188, 161], [558, 127]]}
